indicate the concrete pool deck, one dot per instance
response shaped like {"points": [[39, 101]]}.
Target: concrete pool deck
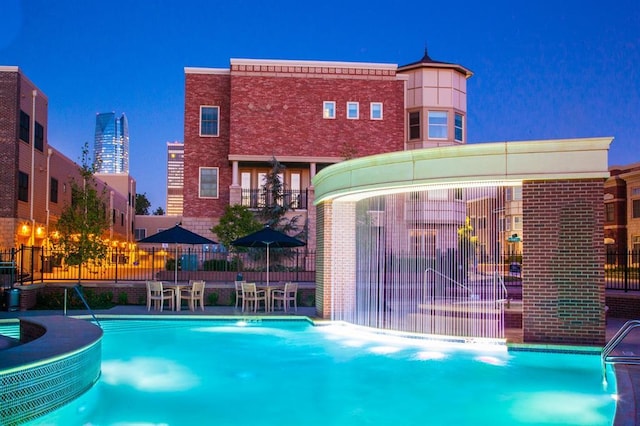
{"points": [[627, 376]]}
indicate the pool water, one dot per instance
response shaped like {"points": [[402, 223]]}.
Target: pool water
{"points": [[183, 372]]}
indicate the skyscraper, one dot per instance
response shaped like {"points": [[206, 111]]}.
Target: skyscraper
{"points": [[175, 178], [112, 143]]}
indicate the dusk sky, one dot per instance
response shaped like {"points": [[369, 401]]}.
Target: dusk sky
{"points": [[542, 69]]}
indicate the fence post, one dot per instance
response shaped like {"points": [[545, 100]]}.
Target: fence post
{"points": [[42, 265], [626, 271], [33, 258], [117, 261], [153, 261]]}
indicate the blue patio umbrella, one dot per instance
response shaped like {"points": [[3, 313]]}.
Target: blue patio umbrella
{"points": [[267, 237], [176, 235]]}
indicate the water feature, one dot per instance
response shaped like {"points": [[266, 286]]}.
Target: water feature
{"points": [[186, 372], [429, 260]]}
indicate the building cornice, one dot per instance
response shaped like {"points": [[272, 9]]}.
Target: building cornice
{"points": [[196, 70], [297, 63]]}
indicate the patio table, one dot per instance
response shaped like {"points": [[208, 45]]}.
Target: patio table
{"points": [[268, 288]]}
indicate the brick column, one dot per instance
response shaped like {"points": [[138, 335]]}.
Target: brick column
{"points": [[563, 287], [324, 216]]}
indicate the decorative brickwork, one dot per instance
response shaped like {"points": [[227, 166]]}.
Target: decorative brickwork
{"points": [[346, 71], [563, 277], [9, 95]]}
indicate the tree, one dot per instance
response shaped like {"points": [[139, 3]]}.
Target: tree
{"points": [[159, 211], [236, 221], [82, 223], [467, 243], [142, 204], [276, 205]]}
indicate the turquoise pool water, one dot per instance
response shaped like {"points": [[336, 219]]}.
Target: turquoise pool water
{"points": [[183, 372]]}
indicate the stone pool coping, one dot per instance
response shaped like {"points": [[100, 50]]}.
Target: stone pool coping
{"points": [[58, 359]]}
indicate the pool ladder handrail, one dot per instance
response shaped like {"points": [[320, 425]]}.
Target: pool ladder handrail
{"points": [[78, 291], [606, 356]]}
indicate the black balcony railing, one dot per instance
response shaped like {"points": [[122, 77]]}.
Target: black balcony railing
{"points": [[259, 198], [36, 264]]}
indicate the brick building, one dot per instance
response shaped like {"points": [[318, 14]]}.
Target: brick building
{"points": [[307, 115], [622, 209], [35, 177]]}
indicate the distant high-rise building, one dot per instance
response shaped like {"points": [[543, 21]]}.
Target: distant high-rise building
{"points": [[112, 143], [175, 178]]}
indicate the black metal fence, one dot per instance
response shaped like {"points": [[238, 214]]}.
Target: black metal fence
{"points": [[36, 264], [622, 270]]}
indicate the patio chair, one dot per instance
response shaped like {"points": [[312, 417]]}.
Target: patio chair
{"points": [[238, 291], [157, 295], [286, 296], [195, 295], [251, 295]]}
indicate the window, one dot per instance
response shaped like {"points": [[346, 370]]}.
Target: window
{"points": [[414, 125], [437, 125], [53, 190], [438, 194], [24, 126], [295, 185], [121, 219], [140, 233], [376, 110], [23, 186], [209, 120], [113, 218], [458, 127], [609, 212], [517, 222], [208, 185], [353, 110], [636, 209], [38, 137], [513, 193], [329, 109], [423, 242]]}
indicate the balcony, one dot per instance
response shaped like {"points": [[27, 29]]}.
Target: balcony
{"points": [[259, 198]]}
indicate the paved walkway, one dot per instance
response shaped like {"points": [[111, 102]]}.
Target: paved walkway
{"points": [[627, 376]]}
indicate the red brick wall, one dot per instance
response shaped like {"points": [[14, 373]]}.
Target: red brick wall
{"points": [[205, 89], [269, 113], [283, 116], [563, 277]]}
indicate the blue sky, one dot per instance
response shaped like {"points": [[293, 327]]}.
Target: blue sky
{"points": [[542, 69]]}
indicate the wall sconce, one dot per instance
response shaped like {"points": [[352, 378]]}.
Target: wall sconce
{"points": [[40, 232], [25, 230]]}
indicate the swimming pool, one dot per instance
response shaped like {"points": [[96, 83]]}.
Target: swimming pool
{"points": [[188, 372]]}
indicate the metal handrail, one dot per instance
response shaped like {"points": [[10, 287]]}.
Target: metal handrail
{"points": [[446, 278], [615, 341], [84, 301]]}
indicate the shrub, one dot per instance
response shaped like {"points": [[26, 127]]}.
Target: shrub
{"points": [[216, 265], [212, 299], [123, 298]]}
